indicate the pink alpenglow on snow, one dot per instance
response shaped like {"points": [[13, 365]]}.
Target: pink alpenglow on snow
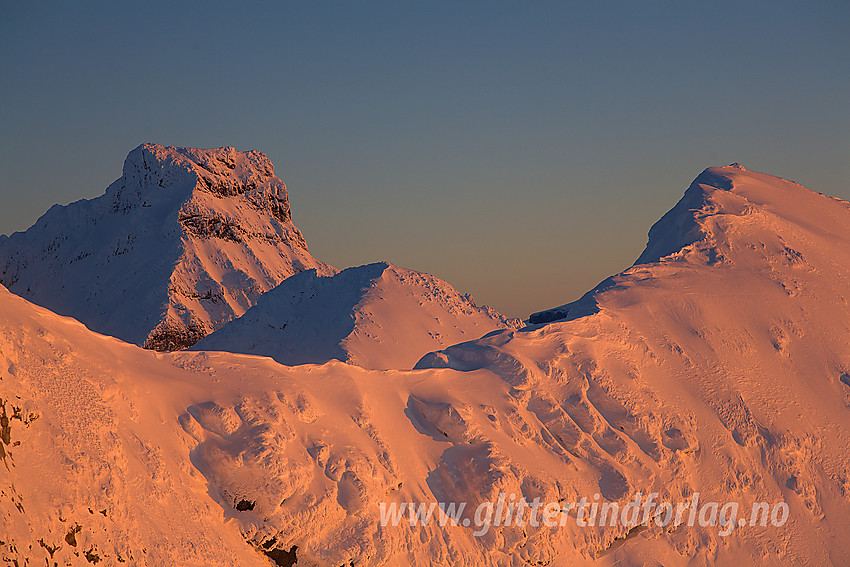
{"points": [[714, 372], [184, 241], [376, 316]]}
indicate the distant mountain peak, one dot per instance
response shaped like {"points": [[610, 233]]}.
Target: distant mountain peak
{"points": [[185, 240], [728, 216], [720, 198], [152, 171], [375, 316]]}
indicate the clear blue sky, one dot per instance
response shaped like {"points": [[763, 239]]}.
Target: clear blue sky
{"points": [[519, 150]]}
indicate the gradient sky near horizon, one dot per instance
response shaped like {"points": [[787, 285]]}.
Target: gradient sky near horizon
{"points": [[520, 151]]}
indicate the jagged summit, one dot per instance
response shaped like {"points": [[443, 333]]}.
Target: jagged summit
{"points": [[728, 216], [185, 240], [375, 316], [152, 169]]}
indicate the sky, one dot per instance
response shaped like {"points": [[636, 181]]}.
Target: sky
{"points": [[520, 151]]}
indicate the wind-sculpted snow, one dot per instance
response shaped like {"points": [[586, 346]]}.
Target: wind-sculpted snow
{"points": [[181, 243], [92, 470], [720, 370], [376, 316], [732, 217]]}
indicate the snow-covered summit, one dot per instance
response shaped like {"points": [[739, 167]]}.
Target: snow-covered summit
{"points": [[152, 171], [375, 316], [185, 240], [729, 216]]}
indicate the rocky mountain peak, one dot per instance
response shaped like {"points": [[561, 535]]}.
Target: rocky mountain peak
{"points": [[184, 241], [153, 172]]}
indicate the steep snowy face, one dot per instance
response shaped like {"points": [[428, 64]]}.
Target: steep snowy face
{"points": [[185, 240], [376, 316], [730, 215], [732, 218], [93, 466]]}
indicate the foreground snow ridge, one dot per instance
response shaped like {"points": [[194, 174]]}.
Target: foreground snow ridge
{"points": [[717, 369]]}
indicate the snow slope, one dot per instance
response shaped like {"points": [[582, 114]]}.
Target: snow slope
{"points": [[721, 366], [719, 363], [375, 316], [94, 467], [182, 242]]}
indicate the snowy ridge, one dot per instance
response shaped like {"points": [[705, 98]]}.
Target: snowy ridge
{"points": [[375, 316], [722, 369], [728, 215], [182, 242]]}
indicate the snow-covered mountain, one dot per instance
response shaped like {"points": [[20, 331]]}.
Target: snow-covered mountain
{"points": [[718, 365], [185, 240], [730, 218], [376, 316]]}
